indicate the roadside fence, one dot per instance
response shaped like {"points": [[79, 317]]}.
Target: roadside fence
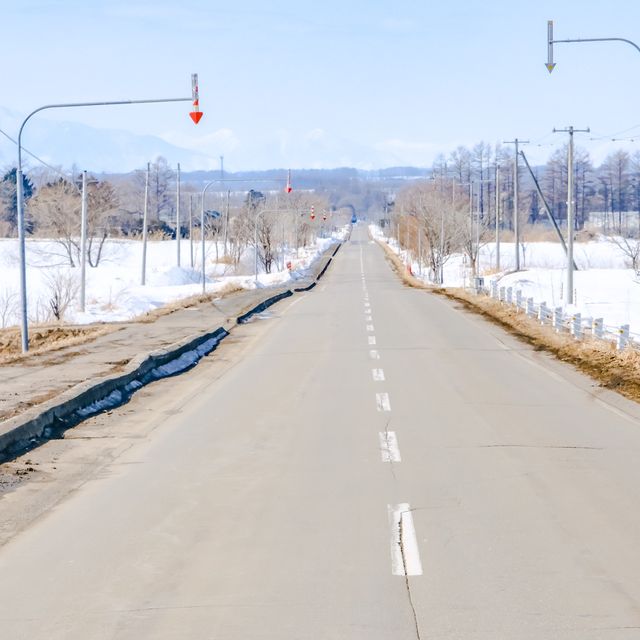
{"points": [[575, 324]]}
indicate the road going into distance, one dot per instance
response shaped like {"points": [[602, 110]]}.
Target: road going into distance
{"points": [[366, 461]]}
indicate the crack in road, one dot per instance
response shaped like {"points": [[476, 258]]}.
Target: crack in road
{"points": [[406, 574], [538, 446]]}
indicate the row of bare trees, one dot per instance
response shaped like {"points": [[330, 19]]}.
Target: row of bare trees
{"points": [[441, 216], [611, 190], [115, 208], [432, 220]]}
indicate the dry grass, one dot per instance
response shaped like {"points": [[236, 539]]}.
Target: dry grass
{"points": [[32, 402], [46, 339], [613, 369], [401, 269], [186, 303]]}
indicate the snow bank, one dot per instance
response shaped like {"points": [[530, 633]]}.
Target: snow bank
{"points": [[604, 286], [113, 291]]}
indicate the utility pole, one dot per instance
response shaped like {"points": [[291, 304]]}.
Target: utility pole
{"points": [[145, 219], [178, 234], [474, 260], [478, 204], [497, 217], [83, 243], [441, 247], [570, 208], [221, 167], [516, 188], [478, 213]]}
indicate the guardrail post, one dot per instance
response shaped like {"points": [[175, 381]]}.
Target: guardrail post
{"points": [[623, 336], [542, 312], [519, 299], [529, 308], [557, 319], [494, 289], [576, 326], [502, 294], [597, 328], [509, 295]]}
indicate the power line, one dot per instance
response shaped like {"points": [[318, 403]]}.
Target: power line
{"points": [[33, 155]]}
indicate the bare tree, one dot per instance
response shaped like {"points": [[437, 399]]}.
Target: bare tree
{"points": [[161, 198], [266, 232], [8, 307], [460, 160], [62, 288], [438, 211], [56, 211], [630, 248], [616, 170], [101, 204]]}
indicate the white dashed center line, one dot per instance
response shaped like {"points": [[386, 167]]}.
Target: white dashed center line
{"points": [[382, 402], [389, 446], [378, 375], [374, 355], [405, 557], [372, 340], [370, 327]]}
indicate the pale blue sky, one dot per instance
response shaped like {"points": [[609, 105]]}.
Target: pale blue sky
{"points": [[366, 83]]}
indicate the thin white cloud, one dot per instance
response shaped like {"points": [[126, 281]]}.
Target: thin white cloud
{"points": [[315, 135]]}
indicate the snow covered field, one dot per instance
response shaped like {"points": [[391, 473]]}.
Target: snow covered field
{"points": [[604, 287], [113, 290]]}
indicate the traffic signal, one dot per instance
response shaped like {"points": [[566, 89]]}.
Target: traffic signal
{"points": [[313, 212]]}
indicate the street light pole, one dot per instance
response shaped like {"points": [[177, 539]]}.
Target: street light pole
{"points": [[24, 328], [570, 209], [203, 270], [226, 223], [551, 65], [178, 230], [191, 229], [145, 218], [83, 243]]}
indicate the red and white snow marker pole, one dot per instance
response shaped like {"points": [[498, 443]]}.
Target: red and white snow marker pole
{"points": [[196, 114]]}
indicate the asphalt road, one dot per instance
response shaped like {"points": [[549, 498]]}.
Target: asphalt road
{"points": [[365, 462]]}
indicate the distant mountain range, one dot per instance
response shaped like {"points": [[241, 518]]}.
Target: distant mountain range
{"points": [[100, 150], [111, 151]]}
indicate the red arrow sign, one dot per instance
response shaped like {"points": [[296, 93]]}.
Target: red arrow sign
{"points": [[196, 116]]}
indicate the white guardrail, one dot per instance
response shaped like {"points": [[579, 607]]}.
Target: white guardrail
{"points": [[580, 327]]}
